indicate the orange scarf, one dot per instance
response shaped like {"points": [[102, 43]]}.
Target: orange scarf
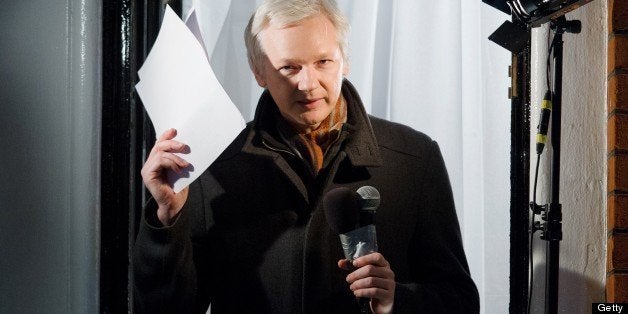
{"points": [[312, 146]]}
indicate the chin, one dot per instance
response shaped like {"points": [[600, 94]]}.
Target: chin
{"points": [[311, 121], [314, 117]]}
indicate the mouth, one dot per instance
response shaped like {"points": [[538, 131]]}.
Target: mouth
{"points": [[309, 102]]}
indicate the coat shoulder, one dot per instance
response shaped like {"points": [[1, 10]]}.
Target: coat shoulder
{"points": [[400, 138]]}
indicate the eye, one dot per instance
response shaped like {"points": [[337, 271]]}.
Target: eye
{"points": [[325, 62], [288, 68]]}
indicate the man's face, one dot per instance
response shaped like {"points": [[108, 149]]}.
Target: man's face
{"points": [[303, 70]]}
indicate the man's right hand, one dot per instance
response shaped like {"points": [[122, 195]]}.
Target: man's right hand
{"points": [[160, 159]]}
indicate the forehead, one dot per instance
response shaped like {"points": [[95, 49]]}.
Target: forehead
{"points": [[312, 36]]}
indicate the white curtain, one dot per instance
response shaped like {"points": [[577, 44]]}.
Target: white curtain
{"points": [[429, 65]]}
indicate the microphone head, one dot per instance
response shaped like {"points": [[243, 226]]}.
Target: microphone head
{"points": [[342, 208], [369, 198]]}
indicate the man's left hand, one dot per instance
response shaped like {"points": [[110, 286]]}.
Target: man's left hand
{"points": [[372, 279]]}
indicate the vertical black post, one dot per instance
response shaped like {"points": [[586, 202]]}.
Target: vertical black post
{"points": [[519, 181], [117, 153]]}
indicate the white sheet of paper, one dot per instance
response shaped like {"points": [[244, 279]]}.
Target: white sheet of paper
{"points": [[179, 90], [191, 21]]}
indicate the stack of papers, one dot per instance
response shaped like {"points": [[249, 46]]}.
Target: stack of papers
{"points": [[179, 90]]}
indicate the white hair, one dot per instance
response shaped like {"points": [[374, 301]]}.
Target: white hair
{"points": [[289, 12]]}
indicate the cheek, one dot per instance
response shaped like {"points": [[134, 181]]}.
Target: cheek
{"points": [[339, 80], [340, 74]]}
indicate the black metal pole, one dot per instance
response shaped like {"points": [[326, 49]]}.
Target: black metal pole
{"points": [[554, 215], [552, 231]]}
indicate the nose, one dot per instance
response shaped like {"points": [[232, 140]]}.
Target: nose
{"points": [[308, 79]]}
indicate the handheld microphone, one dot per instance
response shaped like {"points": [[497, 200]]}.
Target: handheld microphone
{"points": [[352, 216]]}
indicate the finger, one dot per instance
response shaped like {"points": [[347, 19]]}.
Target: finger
{"points": [[373, 293], [163, 160], [159, 164], [372, 282], [169, 161], [178, 160], [154, 162], [345, 264], [171, 146], [371, 271], [167, 135], [376, 259]]}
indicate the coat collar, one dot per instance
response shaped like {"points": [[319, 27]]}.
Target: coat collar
{"points": [[360, 146]]}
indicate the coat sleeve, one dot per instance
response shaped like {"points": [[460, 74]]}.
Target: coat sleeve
{"points": [[164, 272], [443, 282]]}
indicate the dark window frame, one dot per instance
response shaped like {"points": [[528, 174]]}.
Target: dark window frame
{"points": [[520, 180]]}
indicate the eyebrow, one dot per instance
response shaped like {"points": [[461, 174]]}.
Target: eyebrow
{"points": [[283, 61], [320, 56]]}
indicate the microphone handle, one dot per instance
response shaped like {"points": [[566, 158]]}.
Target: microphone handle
{"points": [[367, 217], [365, 305]]}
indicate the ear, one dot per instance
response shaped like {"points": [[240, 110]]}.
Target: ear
{"points": [[259, 75], [345, 68]]}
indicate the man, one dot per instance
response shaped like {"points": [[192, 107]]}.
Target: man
{"points": [[250, 236]]}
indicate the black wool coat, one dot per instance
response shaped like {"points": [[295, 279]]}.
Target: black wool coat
{"points": [[253, 238]]}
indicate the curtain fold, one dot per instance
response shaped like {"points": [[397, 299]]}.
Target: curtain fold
{"points": [[429, 65]]}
